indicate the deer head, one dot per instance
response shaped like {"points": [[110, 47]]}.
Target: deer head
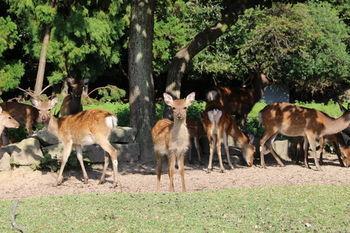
{"points": [[44, 108], [7, 121], [76, 86], [180, 106]]}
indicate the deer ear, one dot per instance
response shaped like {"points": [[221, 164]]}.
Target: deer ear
{"points": [[70, 80], [36, 103], [190, 98], [0, 110], [168, 99], [85, 81], [53, 102]]}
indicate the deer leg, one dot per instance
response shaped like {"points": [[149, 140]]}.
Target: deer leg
{"points": [[273, 152], [264, 139], [218, 149], [106, 145], [227, 151], [312, 143], [339, 154], [159, 170], [171, 171], [65, 155], [79, 151], [306, 154], [212, 144], [29, 126], [198, 149], [181, 164], [321, 149], [105, 166]]}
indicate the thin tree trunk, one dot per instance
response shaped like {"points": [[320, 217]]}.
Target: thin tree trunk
{"points": [[42, 60], [141, 95]]}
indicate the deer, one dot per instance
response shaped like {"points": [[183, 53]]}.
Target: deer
{"points": [[171, 139], [293, 121], [218, 125], [239, 101], [72, 102], [7, 121], [27, 115], [196, 132], [341, 149], [85, 128]]}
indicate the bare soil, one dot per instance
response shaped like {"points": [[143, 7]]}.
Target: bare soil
{"points": [[23, 182]]}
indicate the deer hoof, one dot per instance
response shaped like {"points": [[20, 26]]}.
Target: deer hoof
{"points": [[102, 181], [86, 180], [222, 170]]}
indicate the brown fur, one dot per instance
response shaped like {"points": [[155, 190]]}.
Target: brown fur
{"points": [[7, 121], [219, 132], [85, 128], [239, 101], [291, 120], [172, 140], [72, 102]]}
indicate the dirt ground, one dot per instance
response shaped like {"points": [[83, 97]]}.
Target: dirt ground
{"points": [[23, 182]]}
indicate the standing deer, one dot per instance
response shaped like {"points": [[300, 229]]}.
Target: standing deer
{"points": [[86, 128], [72, 102], [240, 101], [172, 139], [291, 120], [195, 131], [7, 121], [218, 125]]}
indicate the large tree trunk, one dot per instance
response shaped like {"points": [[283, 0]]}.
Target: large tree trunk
{"points": [[141, 95], [42, 60]]}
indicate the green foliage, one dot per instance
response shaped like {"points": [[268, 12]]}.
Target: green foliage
{"points": [[305, 208], [11, 71], [111, 93]]}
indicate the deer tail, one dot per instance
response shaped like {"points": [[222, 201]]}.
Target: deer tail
{"points": [[111, 121], [214, 116]]}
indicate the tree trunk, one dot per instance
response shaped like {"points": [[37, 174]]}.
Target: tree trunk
{"points": [[141, 93], [42, 60]]}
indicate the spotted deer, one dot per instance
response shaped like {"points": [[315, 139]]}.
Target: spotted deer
{"points": [[86, 128], [171, 139], [293, 121], [218, 125], [72, 102], [7, 121], [239, 101]]}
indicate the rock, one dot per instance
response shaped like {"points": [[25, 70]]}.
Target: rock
{"points": [[281, 148], [55, 151], [128, 152], [5, 161], [123, 135], [45, 137], [25, 153]]}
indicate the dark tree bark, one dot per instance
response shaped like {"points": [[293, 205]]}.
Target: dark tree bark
{"points": [[42, 59], [142, 114]]}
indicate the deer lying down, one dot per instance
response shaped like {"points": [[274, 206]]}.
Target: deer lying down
{"points": [[86, 128], [218, 125], [171, 139], [7, 121], [291, 120]]}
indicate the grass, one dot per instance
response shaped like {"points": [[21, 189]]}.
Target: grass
{"points": [[267, 209]]}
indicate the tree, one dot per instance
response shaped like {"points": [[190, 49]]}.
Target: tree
{"points": [[42, 59], [11, 70], [142, 115]]}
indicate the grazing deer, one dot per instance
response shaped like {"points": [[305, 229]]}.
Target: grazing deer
{"points": [[240, 101], [195, 130], [218, 125], [72, 102], [86, 128], [293, 121], [341, 149], [172, 139], [7, 121]]}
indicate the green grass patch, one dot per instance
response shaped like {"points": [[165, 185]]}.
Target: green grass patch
{"points": [[267, 209]]}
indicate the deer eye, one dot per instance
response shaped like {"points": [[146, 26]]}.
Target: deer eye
{"points": [[173, 108], [185, 108]]}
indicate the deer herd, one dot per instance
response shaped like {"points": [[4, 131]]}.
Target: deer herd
{"points": [[224, 116]]}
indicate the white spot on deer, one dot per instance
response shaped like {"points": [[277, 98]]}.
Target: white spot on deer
{"points": [[111, 121]]}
